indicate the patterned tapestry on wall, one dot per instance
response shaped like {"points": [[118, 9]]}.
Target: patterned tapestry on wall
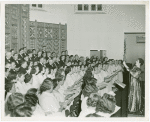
{"points": [[47, 34]]}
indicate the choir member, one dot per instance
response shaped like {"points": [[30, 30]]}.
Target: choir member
{"points": [[24, 51], [20, 56], [44, 49], [8, 56]]}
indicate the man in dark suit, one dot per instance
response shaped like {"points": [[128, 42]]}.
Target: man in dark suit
{"points": [[13, 66], [8, 56], [24, 51], [20, 56], [44, 49], [40, 64], [34, 54], [15, 59], [12, 53], [23, 67]]}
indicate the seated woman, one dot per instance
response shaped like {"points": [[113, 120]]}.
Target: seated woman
{"points": [[47, 100], [20, 85], [28, 80], [22, 110], [88, 105], [41, 75], [14, 100], [31, 101]]}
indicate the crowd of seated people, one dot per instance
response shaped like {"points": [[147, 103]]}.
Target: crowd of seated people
{"points": [[46, 84]]}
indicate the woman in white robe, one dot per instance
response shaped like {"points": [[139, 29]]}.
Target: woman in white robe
{"points": [[47, 100]]}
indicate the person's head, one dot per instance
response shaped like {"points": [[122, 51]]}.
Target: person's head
{"points": [[30, 54], [92, 100], [110, 61], [12, 52], [50, 61], [105, 66], [41, 60], [13, 65], [95, 68], [99, 67], [54, 59], [10, 87], [46, 86], [48, 54], [24, 64], [21, 76], [113, 61], [44, 55], [14, 100], [37, 69], [33, 51], [12, 76], [15, 56], [105, 59], [62, 52], [26, 58], [82, 67], [21, 51], [8, 55], [47, 70], [53, 54], [31, 100], [139, 62], [39, 53], [62, 57], [44, 61], [7, 71], [116, 62], [41, 69], [76, 57], [32, 91], [24, 49], [8, 65], [28, 78], [66, 52], [35, 63], [22, 110], [44, 48], [60, 72]]}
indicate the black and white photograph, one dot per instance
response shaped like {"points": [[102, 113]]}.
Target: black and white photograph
{"points": [[83, 60]]}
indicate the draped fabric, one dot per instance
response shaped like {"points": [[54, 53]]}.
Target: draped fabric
{"points": [[134, 103]]}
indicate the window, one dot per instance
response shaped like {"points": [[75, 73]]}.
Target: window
{"points": [[79, 7], [39, 5], [33, 5], [86, 7], [93, 7], [89, 9]]}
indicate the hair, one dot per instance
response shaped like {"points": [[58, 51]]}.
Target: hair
{"points": [[46, 85], [141, 61], [8, 86], [12, 76], [92, 100], [31, 99], [33, 50], [20, 74], [32, 91], [33, 70], [23, 62], [20, 49], [14, 100], [67, 70], [55, 83], [22, 110], [28, 77], [58, 75], [11, 50]]}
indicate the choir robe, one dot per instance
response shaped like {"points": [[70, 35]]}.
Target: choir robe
{"points": [[20, 58], [69, 81], [58, 96], [24, 70], [41, 78], [35, 83], [120, 74], [17, 63], [24, 54], [61, 64], [52, 76], [13, 71], [48, 102], [49, 66], [85, 110], [38, 112], [21, 87]]}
